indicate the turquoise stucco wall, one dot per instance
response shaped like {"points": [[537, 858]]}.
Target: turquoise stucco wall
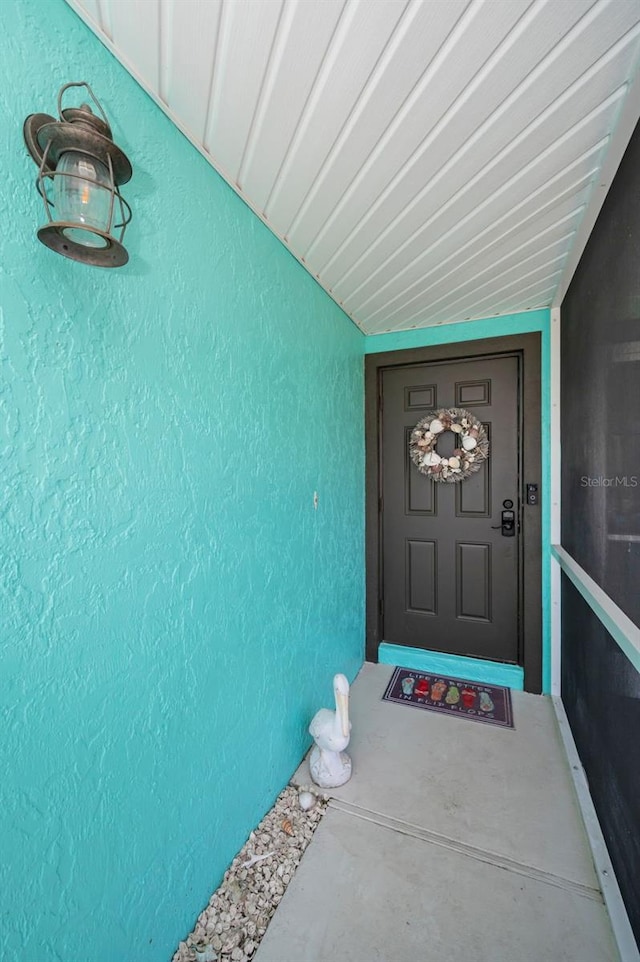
{"points": [[172, 606], [525, 322]]}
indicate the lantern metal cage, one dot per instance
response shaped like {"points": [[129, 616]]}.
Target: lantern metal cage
{"points": [[80, 170]]}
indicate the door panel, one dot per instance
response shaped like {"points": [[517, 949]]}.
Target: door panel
{"points": [[449, 580], [421, 576], [473, 578], [420, 499]]}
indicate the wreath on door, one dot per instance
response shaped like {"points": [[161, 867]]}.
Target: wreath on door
{"points": [[472, 445]]}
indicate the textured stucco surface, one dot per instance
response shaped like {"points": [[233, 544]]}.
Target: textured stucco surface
{"points": [[172, 606]]}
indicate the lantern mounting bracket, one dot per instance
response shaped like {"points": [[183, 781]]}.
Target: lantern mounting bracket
{"points": [[32, 125]]}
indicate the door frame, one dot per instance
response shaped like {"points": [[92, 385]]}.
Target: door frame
{"points": [[528, 347]]}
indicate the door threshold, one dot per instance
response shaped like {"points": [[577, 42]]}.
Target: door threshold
{"points": [[453, 666]]}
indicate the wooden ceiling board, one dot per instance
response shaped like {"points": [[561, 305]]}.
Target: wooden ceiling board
{"points": [[502, 294], [415, 128], [245, 38], [457, 136], [451, 133], [479, 163], [492, 226], [540, 295], [378, 117], [536, 295], [626, 122], [286, 107], [92, 10], [399, 266], [533, 297], [328, 121], [515, 267], [187, 71], [426, 161], [414, 307], [135, 30], [443, 299], [381, 260], [510, 248]]}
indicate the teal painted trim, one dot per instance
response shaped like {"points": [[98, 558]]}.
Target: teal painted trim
{"points": [[526, 322], [623, 631], [452, 666]]}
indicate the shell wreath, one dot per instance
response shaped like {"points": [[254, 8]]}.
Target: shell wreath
{"points": [[472, 444]]}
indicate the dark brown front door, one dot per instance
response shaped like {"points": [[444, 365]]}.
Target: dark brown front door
{"points": [[450, 579]]}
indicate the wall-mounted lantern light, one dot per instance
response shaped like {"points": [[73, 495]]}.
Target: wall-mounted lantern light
{"points": [[80, 171]]}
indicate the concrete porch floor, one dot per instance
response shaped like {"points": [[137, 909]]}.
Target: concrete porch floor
{"points": [[453, 840]]}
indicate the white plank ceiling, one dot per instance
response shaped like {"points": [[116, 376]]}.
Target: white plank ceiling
{"points": [[428, 161]]}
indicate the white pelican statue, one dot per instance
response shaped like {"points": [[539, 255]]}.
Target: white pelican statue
{"points": [[329, 764]]}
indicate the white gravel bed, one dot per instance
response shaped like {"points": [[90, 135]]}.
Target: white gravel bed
{"points": [[236, 918]]}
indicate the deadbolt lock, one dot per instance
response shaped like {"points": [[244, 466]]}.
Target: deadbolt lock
{"points": [[508, 521]]}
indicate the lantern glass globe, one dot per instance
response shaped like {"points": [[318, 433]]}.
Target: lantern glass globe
{"points": [[82, 195]]}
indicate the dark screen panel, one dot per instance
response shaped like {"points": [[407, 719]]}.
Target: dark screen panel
{"points": [[601, 396], [601, 695], [600, 377]]}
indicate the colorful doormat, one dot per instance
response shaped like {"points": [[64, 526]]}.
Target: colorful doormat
{"points": [[490, 704]]}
